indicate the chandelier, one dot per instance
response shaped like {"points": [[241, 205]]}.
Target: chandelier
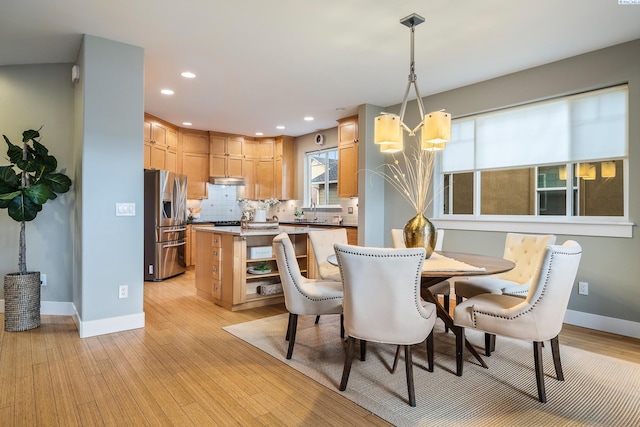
{"points": [[436, 126]]}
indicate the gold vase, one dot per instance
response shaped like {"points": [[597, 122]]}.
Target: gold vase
{"points": [[419, 232]]}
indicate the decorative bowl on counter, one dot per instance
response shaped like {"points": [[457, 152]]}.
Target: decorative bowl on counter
{"points": [[252, 270]]}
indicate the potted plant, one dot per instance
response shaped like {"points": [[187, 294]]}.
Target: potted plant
{"points": [[27, 183]]}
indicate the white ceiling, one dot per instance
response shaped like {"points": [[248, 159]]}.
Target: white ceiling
{"points": [[264, 63]]}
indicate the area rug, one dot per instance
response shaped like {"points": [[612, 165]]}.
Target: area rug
{"points": [[597, 391]]}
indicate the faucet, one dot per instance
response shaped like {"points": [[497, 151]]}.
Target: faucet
{"points": [[313, 209]]}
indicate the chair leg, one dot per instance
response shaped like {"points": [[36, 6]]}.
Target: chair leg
{"points": [[446, 301], [286, 337], [459, 351], [342, 326], [317, 319], [489, 343], [458, 300], [537, 355], [363, 350], [293, 325], [395, 359], [555, 350], [409, 369], [430, 351], [348, 357]]}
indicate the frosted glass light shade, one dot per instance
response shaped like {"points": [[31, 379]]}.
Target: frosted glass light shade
{"points": [[562, 173], [387, 129], [436, 127], [432, 146], [587, 171], [608, 169], [393, 147]]}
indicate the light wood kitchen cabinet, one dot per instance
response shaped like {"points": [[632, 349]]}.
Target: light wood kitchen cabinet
{"points": [[284, 168], [223, 277], [195, 161], [190, 247], [160, 144], [348, 157], [264, 178], [226, 155], [249, 168]]}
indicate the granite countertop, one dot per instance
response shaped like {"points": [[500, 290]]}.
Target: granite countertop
{"points": [[317, 224], [238, 231]]}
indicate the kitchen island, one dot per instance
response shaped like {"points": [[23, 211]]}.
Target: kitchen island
{"points": [[236, 268]]}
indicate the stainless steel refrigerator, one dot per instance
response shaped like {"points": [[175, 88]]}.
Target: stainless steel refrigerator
{"points": [[165, 216]]}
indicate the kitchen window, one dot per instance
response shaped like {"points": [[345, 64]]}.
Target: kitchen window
{"points": [[322, 177], [561, 162]]}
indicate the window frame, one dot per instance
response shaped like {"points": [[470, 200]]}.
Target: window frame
{"points": [[307, 177], [606, 226]]}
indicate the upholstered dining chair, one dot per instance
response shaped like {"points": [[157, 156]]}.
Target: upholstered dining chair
{"points": [[526, 251], [382, 303], [536, 318], [443, 288], [322, 242], [303, 296]]}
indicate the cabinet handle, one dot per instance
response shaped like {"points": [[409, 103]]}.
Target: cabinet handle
{"points": [[215, 253], [215, 269]]}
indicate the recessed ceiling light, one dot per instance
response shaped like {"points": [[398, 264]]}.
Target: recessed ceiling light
{"points": [[188, 75], [166, 92], [187, 123], [308, 118], [280, 127], [259, 133]]}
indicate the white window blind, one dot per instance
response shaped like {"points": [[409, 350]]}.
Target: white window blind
{"points": [[577, 128]]}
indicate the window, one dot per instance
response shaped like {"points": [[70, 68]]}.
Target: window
{"points": [[322, 177], [563, 159]]}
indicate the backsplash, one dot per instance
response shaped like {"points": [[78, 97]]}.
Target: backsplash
{"points": [[222, 205]]}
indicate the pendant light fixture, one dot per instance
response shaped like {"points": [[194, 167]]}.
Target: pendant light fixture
{"points": [[436, 126]]}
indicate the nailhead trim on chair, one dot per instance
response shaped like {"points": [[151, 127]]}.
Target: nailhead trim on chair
{"points": [[418, 273], [295, 282], [546, 281]]}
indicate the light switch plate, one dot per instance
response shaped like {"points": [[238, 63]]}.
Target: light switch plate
{"points": [[125, 209]]}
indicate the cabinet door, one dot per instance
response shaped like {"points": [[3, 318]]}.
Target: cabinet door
{"points": [[265, 148], [235, 146], [195, 142], [218, 165], [217, 145], [147, 155], [248, 167], [172, 139], [277, 179], [196, 168], [158, 134], [158, 156], [171, 160], [264, 179], [348, 170], [234, 167]]}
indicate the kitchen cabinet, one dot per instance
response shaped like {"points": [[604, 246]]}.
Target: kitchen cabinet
{"points": [[284, 168], [348, 157], [223, 261], [160, 144], [225, 155], [190, 248], [257, 166], [195, 161], [264, 178]]}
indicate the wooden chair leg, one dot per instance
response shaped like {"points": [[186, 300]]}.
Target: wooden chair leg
{"points": [[537, 355], [363, 350], [395, 360], [555, 350], [348, 357], [430, 351], [446, 305], [409, 369], [459, 351], [317, 319], [293, 325]]}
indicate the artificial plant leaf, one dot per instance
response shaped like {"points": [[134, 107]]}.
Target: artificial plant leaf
{"points": [[22, 208], [30, 134], [9, 177], [58, 182], [14, 152], [39, 193]]}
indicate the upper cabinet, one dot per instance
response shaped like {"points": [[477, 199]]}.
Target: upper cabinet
{"points": [[348, 157], [284, 168], [160, 144], [225, 155], [195, 161]]}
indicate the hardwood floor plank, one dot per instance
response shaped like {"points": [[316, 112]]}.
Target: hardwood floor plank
{"points": [[25, 395], [44, 405], [62, 389]]}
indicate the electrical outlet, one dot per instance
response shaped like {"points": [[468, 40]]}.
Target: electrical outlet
{"points": [[583, 288], [43, 279], [123, 292]]}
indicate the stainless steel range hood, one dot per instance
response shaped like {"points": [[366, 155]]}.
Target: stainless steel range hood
{"points": [[220, 180]]}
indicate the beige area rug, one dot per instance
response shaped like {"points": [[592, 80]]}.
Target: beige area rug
{"points": [[597, 391]]}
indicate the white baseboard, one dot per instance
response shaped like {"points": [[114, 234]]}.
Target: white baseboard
{"points": [[603, 323], [110, 325], [54, 308]]}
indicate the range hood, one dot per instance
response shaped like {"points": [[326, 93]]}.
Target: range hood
{"points": [[221, 180]]}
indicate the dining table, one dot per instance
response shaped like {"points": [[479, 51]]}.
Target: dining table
{"points": [[445, 265]]}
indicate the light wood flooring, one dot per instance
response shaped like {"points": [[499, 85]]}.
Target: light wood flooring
{"points": [[181, 369]]}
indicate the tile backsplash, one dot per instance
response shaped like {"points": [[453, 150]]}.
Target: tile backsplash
{"points": [[222, 205]]}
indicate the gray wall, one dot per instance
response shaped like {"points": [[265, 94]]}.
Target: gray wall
{"points": [[610, 265], [30, 97]]}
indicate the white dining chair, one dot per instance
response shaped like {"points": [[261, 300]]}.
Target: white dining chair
{"points": [[382, 303], [537, 318], [303, 296], [322, 242]]}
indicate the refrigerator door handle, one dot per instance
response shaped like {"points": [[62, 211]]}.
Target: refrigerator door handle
{"points": [[175, 244], [173, 230]]}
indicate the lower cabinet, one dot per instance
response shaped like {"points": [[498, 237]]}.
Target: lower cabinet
{"points": [[227, 270]]}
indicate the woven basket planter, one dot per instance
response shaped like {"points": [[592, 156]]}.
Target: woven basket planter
{"points": [[21, 301]]}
